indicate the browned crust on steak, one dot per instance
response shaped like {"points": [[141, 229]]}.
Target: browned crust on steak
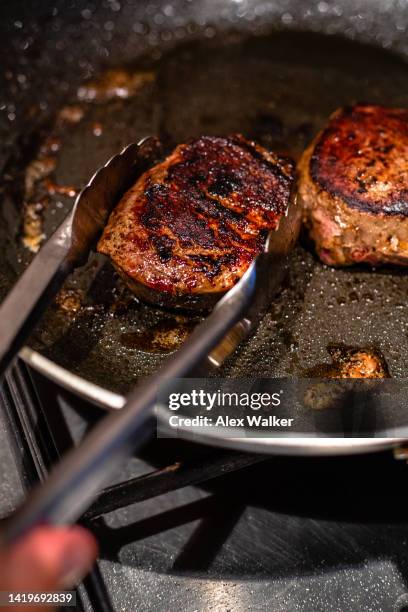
{"points": [[356, 203], [362, 158], [190, 226]]}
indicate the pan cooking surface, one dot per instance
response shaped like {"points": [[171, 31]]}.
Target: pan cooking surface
{"points": [[277, 89]]}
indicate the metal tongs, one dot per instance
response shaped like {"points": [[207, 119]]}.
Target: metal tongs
{"points": [[76, 480]]}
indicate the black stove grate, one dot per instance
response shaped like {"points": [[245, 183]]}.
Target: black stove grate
{"points": [[41, 437], [300, 534], [36, 449]]}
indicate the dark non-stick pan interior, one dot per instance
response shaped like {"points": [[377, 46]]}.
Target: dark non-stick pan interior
{"points": [[88, 81]]}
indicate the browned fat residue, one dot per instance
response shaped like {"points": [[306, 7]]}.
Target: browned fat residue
{"points": [[53, 188], [70, 114], [39, 186], [36, 171], [351, 362], [32, 230], [115, 83], [69, 301], [164, 337], [351, 367]]}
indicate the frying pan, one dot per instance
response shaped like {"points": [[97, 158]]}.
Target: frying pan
{"points": [[273, 71]]}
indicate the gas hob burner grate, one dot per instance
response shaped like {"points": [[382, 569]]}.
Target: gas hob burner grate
{"points": [[41, 437]]}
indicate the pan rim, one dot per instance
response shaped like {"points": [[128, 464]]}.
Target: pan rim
{"points": [[109, 400]]}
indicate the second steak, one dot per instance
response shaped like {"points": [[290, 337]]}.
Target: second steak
{"points": [[354, 187]]}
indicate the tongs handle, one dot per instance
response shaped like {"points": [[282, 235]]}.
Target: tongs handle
{"points": [[75, 481], [31, 294]]}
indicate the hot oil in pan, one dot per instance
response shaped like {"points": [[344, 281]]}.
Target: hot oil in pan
{"points": [[279, 90]]}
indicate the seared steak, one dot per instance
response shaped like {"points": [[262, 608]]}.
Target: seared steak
{"points": [[190, 226], [354, 187]]}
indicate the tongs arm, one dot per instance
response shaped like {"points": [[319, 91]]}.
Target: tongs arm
{"points": [[77, 479], [26, 302], [68, 247]]}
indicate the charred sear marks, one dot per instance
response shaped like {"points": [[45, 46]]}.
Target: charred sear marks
{"points": [[193, 223], [362, 157]]}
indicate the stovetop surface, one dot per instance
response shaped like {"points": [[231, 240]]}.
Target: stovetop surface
{"points": [[286, 534]]}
